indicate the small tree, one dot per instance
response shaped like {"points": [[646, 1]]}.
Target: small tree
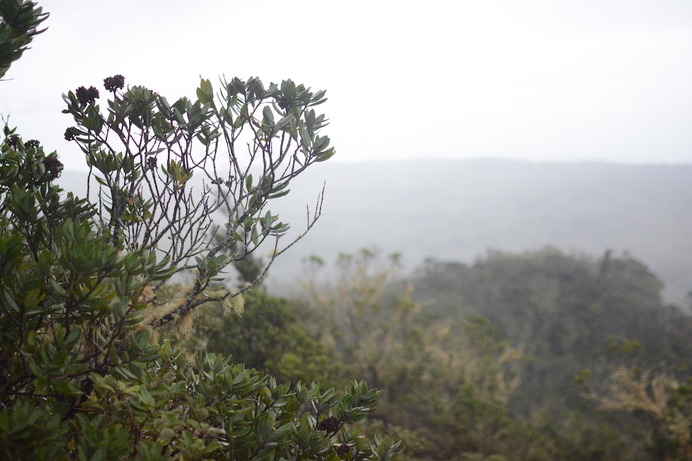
{"points": [[245, 144], [660, 398], [444, 378], [81, 375]]}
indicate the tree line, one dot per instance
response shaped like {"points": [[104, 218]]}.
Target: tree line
{"points": [[535, 356]]}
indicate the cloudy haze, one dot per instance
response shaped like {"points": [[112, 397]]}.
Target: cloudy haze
{"points": [[541, 80]]}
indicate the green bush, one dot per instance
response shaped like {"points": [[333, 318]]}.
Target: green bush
{"points": [[81, 376], [85, 372], [268, 336]]}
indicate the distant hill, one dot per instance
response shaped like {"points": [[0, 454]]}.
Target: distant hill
{"points": [[456, 210]]}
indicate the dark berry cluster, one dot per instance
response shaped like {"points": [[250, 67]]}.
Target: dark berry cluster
{"points": [[12, 141], [151, 163], [284, 102], [330, 425], [85, 96], [32, 144], [70, 133], [53, 167], [116, 82], [342, 450]]}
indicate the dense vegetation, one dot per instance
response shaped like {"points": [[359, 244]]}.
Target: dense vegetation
{"points": [[535, 356], [569, 313], [105, 354], [89, 313]]}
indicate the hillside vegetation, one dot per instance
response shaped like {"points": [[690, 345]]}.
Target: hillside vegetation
{"points": [[136, 321], [458, 210], [569, 313], [529, 356]]}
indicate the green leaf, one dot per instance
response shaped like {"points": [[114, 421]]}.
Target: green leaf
{"points": [[279, 194], [62, 387], [205, 92], [284, 122], [254, 237], [145, 397], [326, 156], [268, 117]]}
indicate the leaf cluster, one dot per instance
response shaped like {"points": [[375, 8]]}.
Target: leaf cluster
{"points": [[244, 143], [19, 22], [69, 299], [83, 373], [269, 336], [445, 382], [82, 377]]}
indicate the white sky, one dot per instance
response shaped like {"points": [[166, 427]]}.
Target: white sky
{"points": [[543, 80]]}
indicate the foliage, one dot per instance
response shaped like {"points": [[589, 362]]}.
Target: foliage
{"points": [[88, 369], [569, 312], [660, 398], [80, 374], [19, 22], [68, 298], [446, 381], [163, 170], [85, 373], [268, 336], [453, 384]]}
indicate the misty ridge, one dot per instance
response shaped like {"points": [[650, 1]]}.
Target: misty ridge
{"points": [[458, 210]]}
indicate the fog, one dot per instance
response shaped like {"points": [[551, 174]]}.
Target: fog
{"points": [[537, 80]]}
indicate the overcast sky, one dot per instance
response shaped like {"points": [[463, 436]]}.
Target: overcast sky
{"points": [[542, 80]]}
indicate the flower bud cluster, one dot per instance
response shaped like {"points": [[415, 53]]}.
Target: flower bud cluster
{"points": [[330, 425], [116, 82], [85, 96], [342, 450], [32, 144]]}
